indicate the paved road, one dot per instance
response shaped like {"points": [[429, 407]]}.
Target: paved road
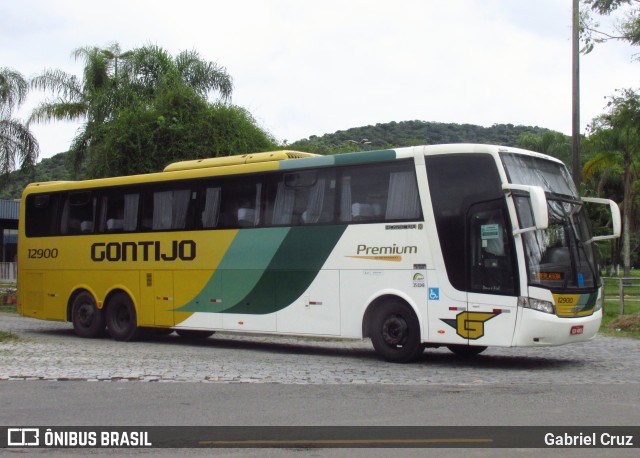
{"points": [[260, 380], [50, 351]]}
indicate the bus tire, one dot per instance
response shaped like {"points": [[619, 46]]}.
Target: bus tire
{"points": [[395, 332], [122, 319], [194, 334], [466, 351], [88, 320]]}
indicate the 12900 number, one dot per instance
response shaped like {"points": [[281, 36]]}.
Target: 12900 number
{"points": [[40, 253]]}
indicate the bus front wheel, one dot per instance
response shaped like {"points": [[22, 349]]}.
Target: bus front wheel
{"points": [[88, 320], [122, 319], [395, 332]]}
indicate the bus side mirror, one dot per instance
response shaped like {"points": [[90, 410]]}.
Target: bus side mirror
{"points": [[538, 202], [615, 218]]}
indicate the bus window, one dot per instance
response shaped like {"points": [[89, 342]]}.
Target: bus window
{"points": [[403, 201], [490, 253], [78, 213], [41, 213], [168, 209], [118, 211], [385, 192], [456, 182], [240, 203], [211, 212], [300, 198]]}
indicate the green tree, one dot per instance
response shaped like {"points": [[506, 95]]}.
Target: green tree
{"points": [[16, 141], [617, 139], [149, 68], [113, 81], [177, 125], [552, 143], [626, 28], [602, 176]]}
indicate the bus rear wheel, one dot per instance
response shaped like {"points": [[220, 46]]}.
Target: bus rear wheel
{"points": [[88, 320], [122, 319], [395, 332]]}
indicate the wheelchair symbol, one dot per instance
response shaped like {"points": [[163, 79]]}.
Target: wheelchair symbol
{"points": [[434, 294]]}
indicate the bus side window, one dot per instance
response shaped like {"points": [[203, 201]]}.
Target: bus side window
{"points": [[171, 209], [317, 204], [41, 215], [490, 253], [384, 192], [240, 203], [363, 194], [302, 198], [78, 213], [131, 204], [168, 209], [210, 214], [119, 211], [403, 200]]}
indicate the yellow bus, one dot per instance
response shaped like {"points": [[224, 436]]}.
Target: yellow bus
{"points": [[463, 246]]}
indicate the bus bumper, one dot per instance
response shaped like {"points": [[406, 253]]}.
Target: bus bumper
{"points": [[536, 328]]}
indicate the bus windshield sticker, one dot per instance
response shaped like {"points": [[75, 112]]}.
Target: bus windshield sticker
{"points": [[490, 231]]}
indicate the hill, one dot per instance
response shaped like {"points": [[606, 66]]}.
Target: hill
{"points": [[411, 133], [380, 136], [50, 169]]}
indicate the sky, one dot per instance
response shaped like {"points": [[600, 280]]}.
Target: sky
{"points": [[311, 67]]}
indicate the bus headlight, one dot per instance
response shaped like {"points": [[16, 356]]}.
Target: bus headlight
{"points": [[537, 304]]}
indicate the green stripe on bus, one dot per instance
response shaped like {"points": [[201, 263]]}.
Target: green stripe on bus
{"points": [[360, 157], [292, 270], [265, 270], [242, 266], [319, 161], [587, 302], [365, 156]]}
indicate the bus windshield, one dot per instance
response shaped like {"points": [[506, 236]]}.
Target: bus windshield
{"points": [[559, 257]]}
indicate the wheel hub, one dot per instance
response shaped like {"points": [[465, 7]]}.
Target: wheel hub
{"points": [[85, 315], [122, 317]]}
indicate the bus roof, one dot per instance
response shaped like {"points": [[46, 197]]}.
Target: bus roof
{"points": [[274, 160], [237, 160]]}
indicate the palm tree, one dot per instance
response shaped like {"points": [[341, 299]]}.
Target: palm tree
{"points": [[71, 102], [203, 76], [80, 99], [113, 80], [16, 141], [150, 67], [617, 139], [112, 55], [552, 143]]}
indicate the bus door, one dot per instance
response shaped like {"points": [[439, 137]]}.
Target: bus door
{"points": [[491, 276]]}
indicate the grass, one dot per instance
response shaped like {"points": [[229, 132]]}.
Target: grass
{"points": [[8, 305], [9, 308], [7, 337], [8, 298], [628, 324]]}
